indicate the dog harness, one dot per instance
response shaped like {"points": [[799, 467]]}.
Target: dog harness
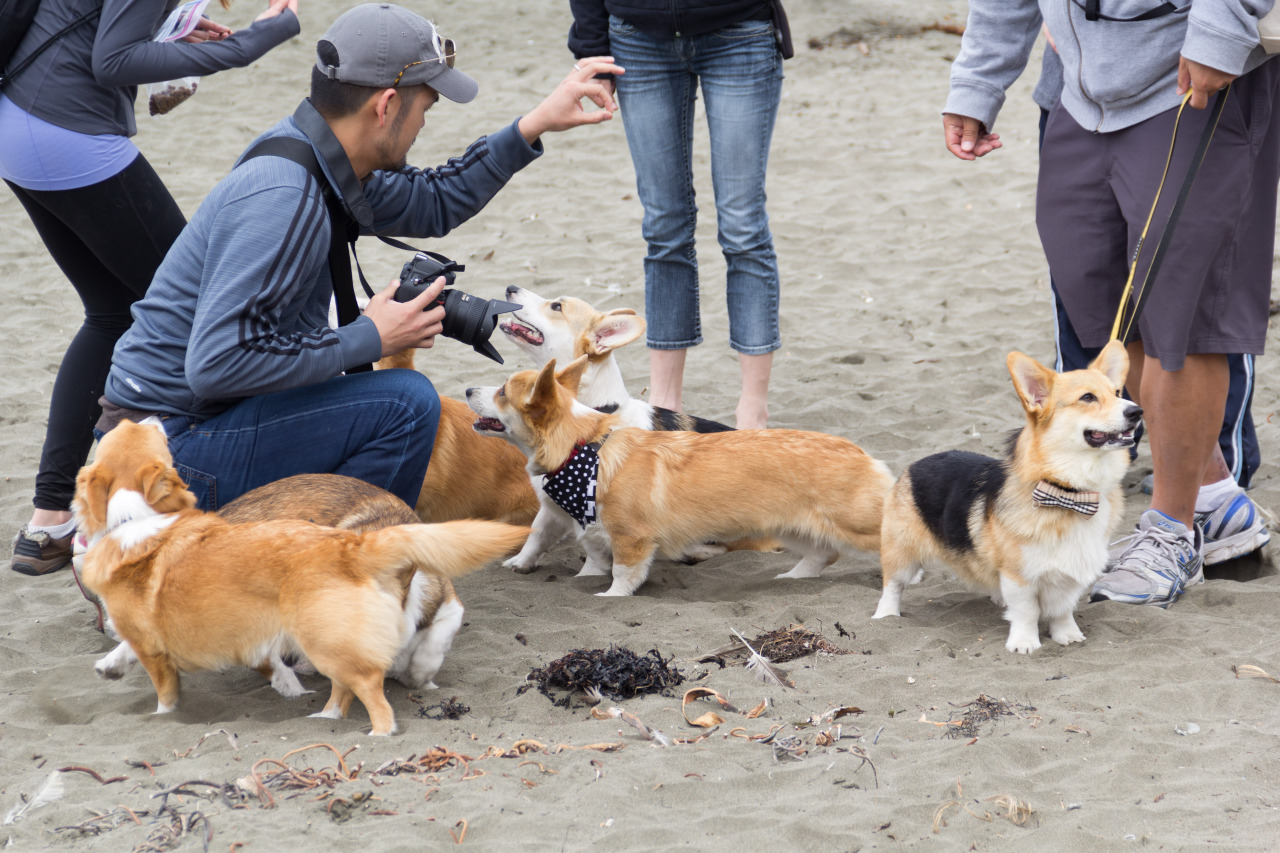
{"points": [[1051, 494], [573, 485]]}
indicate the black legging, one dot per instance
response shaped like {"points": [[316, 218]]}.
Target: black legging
{"points": [[108, 239]]}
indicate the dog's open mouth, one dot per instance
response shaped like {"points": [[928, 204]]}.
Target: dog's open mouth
{"points": [[1097, 438], [488, 425], [523, 331]]}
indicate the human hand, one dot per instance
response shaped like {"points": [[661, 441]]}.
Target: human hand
{"points": [[207, 30], [277, 7], [1202, 80], [402, 325], [968, 138], [562, 109]]}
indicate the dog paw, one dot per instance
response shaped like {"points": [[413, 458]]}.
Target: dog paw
{"points": [[114, 665], [882, 612], [1067, 636], [521, 567], [1023, 644], [697, 553], [108, 670], [328, 714], [614, 592], [798, 574], [590, 570]]}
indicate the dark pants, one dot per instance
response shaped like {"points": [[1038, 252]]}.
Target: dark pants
{"points": [[1238, 438], [108, 239]]}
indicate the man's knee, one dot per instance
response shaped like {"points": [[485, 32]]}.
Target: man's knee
{"points": [[413, 390]]}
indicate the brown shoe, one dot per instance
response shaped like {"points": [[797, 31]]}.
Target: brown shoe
{"points": [[40, 554]]}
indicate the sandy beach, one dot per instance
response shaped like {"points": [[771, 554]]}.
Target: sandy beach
{"points": [[907, 278]]}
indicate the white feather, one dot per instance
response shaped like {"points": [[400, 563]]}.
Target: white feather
{"points": [[51, 790]]}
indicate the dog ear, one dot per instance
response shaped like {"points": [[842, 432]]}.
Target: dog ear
{"points": [[571, 376], [1032, 380], [177, 496], [156, 482], [543, 394], [91, 495], [618, 328], [1114, 362]]}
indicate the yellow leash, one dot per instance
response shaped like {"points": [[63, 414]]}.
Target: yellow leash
{"points": [[1127, 295]]}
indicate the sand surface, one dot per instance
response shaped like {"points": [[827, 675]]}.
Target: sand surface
{"points": [[908, 276]]}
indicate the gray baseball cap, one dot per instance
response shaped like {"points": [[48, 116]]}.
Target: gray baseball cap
{"points": [[381, 45]]}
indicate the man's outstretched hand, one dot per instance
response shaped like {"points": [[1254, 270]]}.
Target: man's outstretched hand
{"points": [[563, 109]]}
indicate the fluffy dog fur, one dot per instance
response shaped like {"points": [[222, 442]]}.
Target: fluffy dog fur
{"points": [[188, 590], [565, 329], [432, 613], [977, 515], [469, 477], [665, 491]]}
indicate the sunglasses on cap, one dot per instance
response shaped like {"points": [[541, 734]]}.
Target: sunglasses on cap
{"points": [[445, 52]]}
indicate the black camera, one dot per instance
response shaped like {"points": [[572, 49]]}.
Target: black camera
{"points": [[467, 318]]}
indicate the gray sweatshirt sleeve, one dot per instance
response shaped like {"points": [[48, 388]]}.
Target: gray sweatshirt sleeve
{"points": [[125, 55], [997, 43], [1223, 34], [432, 202]]}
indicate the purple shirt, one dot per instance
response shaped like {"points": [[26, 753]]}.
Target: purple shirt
{"points": [[37, 155]]}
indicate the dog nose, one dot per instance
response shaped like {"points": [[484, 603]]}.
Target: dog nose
{"points": [[469, 390], [512, 290], [1134, 413]]}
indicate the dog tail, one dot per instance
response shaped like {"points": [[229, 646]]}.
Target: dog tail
{"points": [[450, 548]]}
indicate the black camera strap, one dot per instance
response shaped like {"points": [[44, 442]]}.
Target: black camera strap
{"points": [[343, 228], [349, 210]]}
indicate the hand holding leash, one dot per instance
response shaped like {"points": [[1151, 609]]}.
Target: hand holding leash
{"points": [[1202, 80]]}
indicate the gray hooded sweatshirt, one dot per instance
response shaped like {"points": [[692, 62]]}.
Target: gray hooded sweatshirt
{"points": [[1115, 74]]}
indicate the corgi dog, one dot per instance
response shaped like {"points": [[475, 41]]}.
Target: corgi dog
{"points": [[662, 492], [566, 329], [432, 611], [469, 477], [1031, 529], [188, 590]]}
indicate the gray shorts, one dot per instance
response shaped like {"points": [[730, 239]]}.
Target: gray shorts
{"points": [[1213, 289]]}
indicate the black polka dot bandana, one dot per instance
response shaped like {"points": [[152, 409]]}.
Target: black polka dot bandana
{"points": [[573, 485]]}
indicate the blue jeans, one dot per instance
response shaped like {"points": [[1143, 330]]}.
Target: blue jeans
{"points": [[378, 427], [740, 71]]}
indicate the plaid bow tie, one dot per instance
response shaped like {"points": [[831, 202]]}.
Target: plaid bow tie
{"points": [[1051, 494]]}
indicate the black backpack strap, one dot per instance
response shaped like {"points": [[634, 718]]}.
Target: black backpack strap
{"points": [[1093, 12], [91, 15], [343, 229]]}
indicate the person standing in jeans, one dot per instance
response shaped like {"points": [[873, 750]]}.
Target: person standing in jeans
{"points": [[733, 51], [100, 208]]}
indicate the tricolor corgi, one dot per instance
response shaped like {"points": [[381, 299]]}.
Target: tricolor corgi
{"points": [[1030, 529]]}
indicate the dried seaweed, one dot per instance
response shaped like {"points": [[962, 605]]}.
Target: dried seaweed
{"points": [[448, 709], [781, 645], [982, 710], [617, 672]]}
